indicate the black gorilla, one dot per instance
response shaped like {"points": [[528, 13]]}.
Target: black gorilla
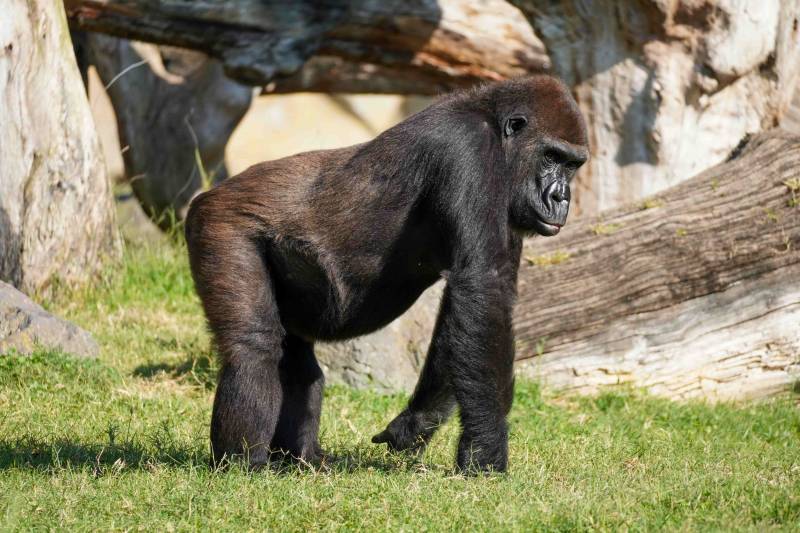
{"points": [[332, 244]]}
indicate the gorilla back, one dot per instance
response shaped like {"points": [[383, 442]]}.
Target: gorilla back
{"points": [[332, 244]]}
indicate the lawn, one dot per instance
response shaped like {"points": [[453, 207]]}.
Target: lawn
{"points": [[121, 443]]}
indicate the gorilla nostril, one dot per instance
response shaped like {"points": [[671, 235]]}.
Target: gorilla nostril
{"points": [[556, 193]]}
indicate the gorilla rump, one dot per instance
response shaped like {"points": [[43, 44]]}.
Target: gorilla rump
{"points": [[332, 244]]}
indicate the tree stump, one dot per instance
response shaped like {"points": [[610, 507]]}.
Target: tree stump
{"points": [[419, 46], [56, 210]]}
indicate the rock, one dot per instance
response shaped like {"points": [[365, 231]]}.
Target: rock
{"points": [[390, 359], [668, 87], [24, 325]]}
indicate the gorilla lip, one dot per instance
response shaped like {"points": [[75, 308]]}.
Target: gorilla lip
{"points": [[549, 228]]}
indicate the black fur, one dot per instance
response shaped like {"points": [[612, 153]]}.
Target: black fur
{"points": [[333, 244]]}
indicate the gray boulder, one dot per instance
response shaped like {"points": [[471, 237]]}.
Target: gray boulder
{"points": [[24, 325], [390, 359]]}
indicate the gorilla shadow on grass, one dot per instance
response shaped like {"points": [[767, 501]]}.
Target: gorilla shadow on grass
{"points": [[111, 458], [200, 370], [203, 370], [45, 455]]}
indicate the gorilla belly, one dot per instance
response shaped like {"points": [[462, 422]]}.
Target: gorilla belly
{"points": [[314, 307]]}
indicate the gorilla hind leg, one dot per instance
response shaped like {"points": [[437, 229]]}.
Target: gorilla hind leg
{"points": [[297, 432], [246, 410], [235, 287]]}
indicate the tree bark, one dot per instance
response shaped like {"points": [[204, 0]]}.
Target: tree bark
{"points": [[695, 292], [669, 87], [175, 111], [56, 210], [791, 120], [428, 46]]}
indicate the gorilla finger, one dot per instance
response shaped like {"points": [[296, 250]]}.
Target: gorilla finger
{"points": [[383, 437]]}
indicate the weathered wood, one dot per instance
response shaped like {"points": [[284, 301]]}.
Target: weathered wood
{"points": [[791, 120], [429, 46], [56, 210], [669, 88], [331, 74], [175, 111], [695, 292]]}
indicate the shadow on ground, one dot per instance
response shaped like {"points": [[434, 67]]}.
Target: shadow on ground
{"points": [[200, 370], [62, 454], [103, 459]]}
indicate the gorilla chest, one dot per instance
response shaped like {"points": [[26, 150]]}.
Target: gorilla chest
{"points": [[334, 298]]}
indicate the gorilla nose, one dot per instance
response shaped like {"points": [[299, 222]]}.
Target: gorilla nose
{"points": [[555, 194]]}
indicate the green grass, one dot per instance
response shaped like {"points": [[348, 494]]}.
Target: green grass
{"points": [[121, 443]]}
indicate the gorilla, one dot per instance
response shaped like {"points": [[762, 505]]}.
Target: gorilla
{"points": [[332, 244]]}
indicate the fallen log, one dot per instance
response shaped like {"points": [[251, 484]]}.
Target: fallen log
{"points": [[175, 112], [429, 46], [694, 292]]}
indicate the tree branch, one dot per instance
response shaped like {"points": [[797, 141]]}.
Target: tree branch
{"points": [[420, 47]]}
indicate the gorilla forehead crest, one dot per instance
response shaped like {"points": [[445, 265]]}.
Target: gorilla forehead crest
{"points": [[552, 109]]}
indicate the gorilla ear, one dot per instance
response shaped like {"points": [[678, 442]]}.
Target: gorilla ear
{"points": [[514, 125]]}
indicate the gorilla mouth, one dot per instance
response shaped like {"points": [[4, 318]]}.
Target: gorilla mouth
{"points": [[548, 229]]}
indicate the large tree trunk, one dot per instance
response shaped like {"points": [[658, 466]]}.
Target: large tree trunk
{"points": [[669, 87], [56, 209], [419, 46], [175, 112], [695, 292], [791, 120]]}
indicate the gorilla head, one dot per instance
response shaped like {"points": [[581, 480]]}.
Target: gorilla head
{"points": [[544, 141]]}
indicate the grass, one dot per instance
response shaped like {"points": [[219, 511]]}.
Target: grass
{"points": [[652, 203], [120, 443], [547, 260], [602, 228], [794, 190]]}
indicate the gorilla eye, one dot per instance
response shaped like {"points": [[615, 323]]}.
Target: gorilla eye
{"points": [[514, 125], [550, 159]]}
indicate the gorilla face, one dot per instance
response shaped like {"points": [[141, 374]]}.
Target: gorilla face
{"points": [[544, 143], [540, 202]]}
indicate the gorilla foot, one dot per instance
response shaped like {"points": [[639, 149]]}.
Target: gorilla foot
{"points": [[309, 455]]}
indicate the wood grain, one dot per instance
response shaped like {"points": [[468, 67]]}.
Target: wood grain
{"points": [[692, 292], [430, 46]]}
